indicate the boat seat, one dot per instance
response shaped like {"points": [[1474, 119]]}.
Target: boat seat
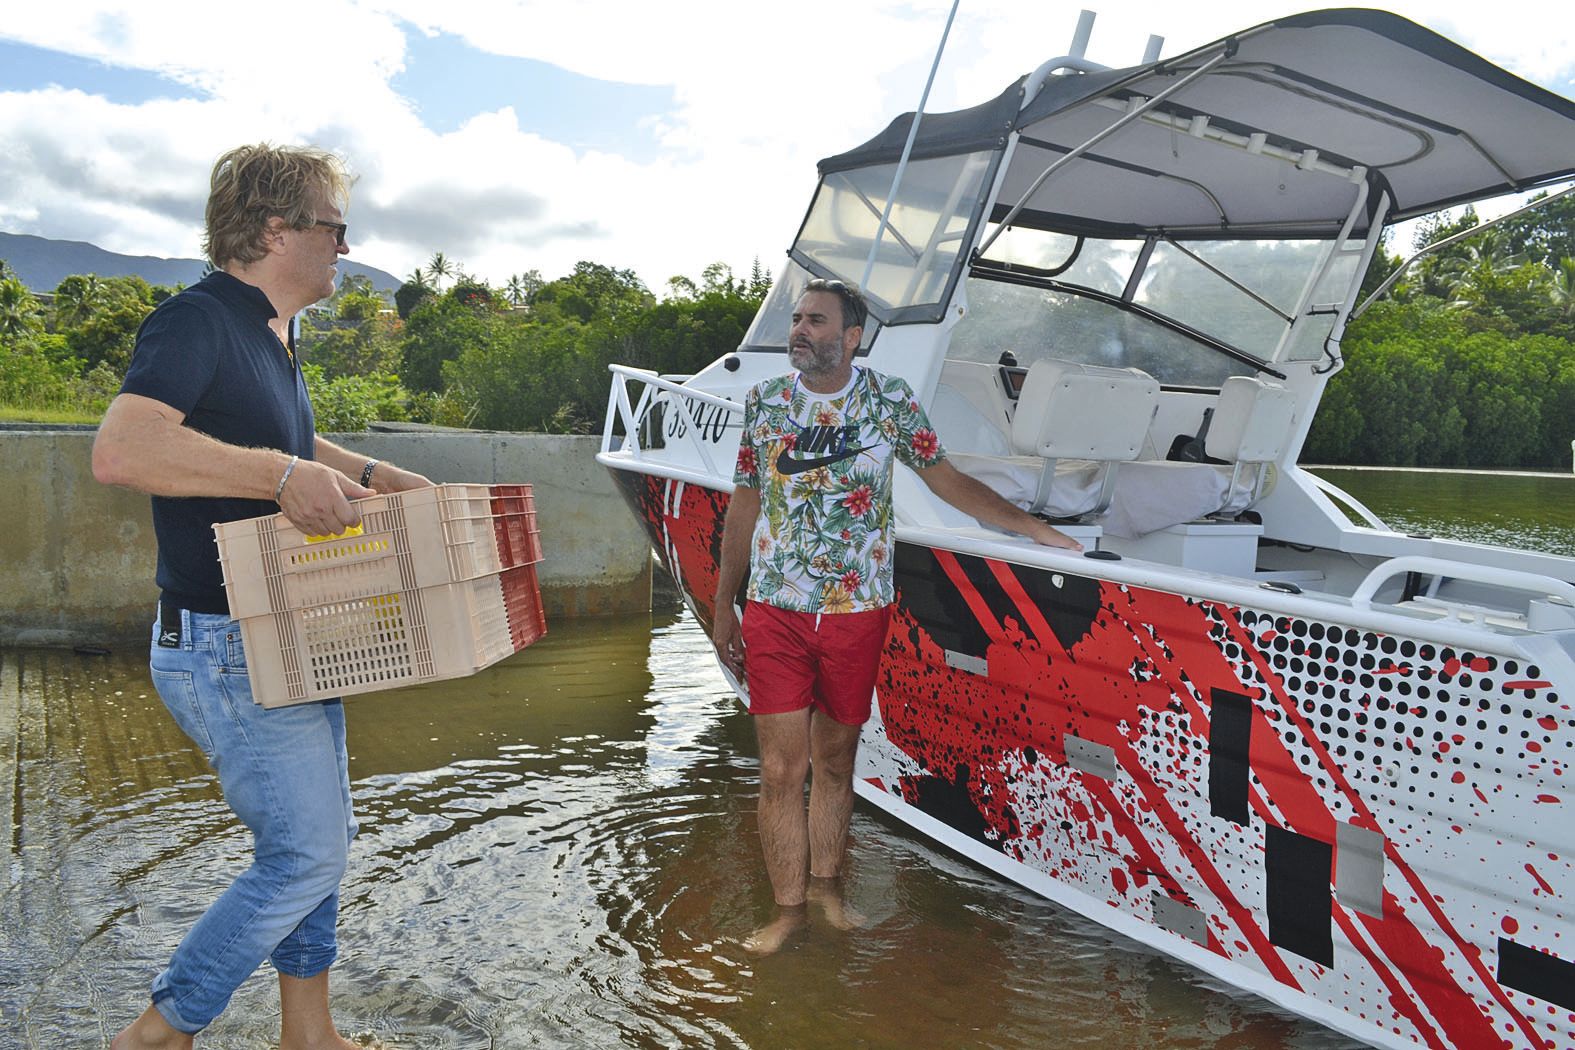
{"points": [[1068, 410], [1252, 421], [1251, 425]]}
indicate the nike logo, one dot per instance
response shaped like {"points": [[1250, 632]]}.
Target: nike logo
{"points": [[787, 465]]}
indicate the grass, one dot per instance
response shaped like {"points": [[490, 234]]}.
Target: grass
{"points": [[30, 414]]}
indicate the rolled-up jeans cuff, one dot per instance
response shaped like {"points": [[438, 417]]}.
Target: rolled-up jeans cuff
{"points": [[164, 1003], [306, 966]]}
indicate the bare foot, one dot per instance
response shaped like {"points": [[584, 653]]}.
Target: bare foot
{"points": [[339, 1042], [150, 1032], [770, 938], [826, 894]]}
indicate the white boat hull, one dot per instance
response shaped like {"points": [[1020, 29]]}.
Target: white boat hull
{"points": [[1366, 827]]}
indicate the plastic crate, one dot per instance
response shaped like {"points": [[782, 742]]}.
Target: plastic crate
{"points": [[439, 583]]}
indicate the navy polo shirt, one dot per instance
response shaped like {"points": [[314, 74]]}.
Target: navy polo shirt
{"points": [[208, 352]]}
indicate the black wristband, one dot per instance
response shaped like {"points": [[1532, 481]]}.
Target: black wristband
{"points": [[366, 473]]}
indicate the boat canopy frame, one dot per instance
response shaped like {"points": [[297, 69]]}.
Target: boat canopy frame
{"points": [[1149, 139]]}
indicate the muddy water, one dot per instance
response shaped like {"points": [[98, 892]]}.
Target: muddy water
{"points": [[559, 852]]}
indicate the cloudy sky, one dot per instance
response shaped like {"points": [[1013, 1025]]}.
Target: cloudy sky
{"points": [[517, 134]]}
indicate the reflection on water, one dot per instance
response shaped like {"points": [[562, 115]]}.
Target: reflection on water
{"points": [[1530, 511], [558, 852]]}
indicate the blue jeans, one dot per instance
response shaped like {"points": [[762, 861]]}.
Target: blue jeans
{"points": [[285, 774]]}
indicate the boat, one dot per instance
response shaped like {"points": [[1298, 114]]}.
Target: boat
{"points": [[1251, 726]]}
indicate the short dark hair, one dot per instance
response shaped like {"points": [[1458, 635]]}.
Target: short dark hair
{"points": [[854, 309]]}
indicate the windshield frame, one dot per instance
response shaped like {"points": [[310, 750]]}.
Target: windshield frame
{"points": [[919, 313]]}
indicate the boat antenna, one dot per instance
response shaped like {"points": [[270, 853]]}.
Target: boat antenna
{"points": [[907, 148]]}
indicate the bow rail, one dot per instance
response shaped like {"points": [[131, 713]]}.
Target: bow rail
{"points": [[662, 390]]}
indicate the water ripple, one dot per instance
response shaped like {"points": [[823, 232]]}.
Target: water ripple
{"points": [[558, 852]]}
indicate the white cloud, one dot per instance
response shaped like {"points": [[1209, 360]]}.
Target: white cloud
{"points": [[761, 94]]}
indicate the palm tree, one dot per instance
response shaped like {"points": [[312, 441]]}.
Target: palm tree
{"points": [[440, 268], [1476, 276], [418, 277], [18, 309], [76, 297], [1561, 287]]}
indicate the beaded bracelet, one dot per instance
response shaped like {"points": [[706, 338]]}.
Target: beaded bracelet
{"points": [[366, 472], [278, 492]]}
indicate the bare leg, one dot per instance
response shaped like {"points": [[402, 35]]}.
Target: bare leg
{"points": [[150, 1032], [784, 825], [832, 749], [832, 746], [304, 1022]]}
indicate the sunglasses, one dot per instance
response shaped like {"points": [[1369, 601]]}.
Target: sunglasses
{"points": [[339, 229], [848, 293]]}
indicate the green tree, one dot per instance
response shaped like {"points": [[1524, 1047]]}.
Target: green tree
{"points": [[1545, 235], [521, 288], [594, 290], [20, 313], [347, 404], [109, 332], [439, 330], [354, 333], [468, 291], [759, 282], [76, 298], [440, 268], [413, 293]]}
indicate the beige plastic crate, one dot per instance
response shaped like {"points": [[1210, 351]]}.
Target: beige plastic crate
{"points": [[441, 583], [421, 538]]}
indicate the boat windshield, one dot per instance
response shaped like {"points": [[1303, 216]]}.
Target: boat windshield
{"points": [[769, 331], [928, 229], [1188, 314]]}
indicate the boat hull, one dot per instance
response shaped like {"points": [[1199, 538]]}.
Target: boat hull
{"points": [[1365, 827]]}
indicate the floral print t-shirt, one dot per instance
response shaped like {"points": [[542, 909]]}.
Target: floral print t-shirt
{"points": [[823, 465]]}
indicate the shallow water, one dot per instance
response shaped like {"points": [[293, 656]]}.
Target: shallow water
{"points": [[1532, 511], [557, 852]]}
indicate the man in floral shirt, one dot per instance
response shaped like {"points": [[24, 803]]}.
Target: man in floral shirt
{"points": [[811, 518]]}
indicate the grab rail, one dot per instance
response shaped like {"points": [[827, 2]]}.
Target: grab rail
{"points": [[1338, 495], [1510, 578], [632, 415]]}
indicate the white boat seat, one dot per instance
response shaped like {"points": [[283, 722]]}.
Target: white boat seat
{"points": [[1068, 410], [1252, 422], [1148, 495]]}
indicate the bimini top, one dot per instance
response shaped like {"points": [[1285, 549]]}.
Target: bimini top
{"points": [[1273, 137]]}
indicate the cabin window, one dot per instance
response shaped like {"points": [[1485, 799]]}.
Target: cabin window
{"points": [[927, 230], [1243, 292], [1035, 323]]}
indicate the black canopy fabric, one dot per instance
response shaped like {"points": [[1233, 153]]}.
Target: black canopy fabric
{"points": [[1405, 110]]}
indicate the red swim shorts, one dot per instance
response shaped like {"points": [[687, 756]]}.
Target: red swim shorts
{"points": [[795, 660]]}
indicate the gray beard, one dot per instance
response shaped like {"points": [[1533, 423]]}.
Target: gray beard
{"points": [[817, 366]]}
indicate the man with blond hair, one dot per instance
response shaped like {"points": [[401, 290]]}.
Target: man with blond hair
{"points": [[811, 519], [213, 421]]}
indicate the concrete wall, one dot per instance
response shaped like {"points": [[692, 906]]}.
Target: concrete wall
{"points": [[77, 558]]}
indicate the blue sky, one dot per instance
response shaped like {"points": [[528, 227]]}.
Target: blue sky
{"points": [[24, 68], [449, 81], [520, 134]]}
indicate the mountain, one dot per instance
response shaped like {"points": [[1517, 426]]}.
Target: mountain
{"points": [[43, 263]]}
